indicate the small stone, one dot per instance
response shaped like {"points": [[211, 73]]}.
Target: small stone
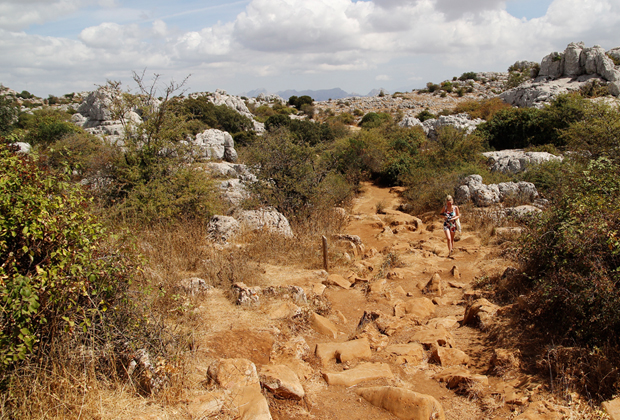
{"points": [[433, 286], [403, 403], [323, 325], [232, 373], [337, 280], [455, 272], [447, 357], [281, 381], [344, 352], [361, 373], [431, 338], [411, 353]]}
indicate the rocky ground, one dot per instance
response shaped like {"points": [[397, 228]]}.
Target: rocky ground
{"points": [[398, 332]]}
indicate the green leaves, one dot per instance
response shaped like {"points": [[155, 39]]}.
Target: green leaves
{"points": [[49, 247]]}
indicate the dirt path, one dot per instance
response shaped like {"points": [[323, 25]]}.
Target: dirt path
{"points": [[387, 300]]}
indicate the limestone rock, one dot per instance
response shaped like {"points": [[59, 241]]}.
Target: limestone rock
{"points": [[433, 286], [220, 97], [215, 144], [516, 160], [194, 286], [480, 312], [269, 219], [344, 352], [361, 373], [281, 381], [232, 373], [448, 323], [285, 310], [432, 338], [403, 403], [447, 357], [461, 122], [323, 325], [418, 308], [411, 353], [246, 296], [455, 376], [483, 195], [612, 408], [222, 228], [251, 403], [337, 280]]}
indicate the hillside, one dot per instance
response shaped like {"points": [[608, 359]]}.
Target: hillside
{"points": [[199, 255]]}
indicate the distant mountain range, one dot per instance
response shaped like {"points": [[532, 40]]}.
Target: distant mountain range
{"points": [[317, 95]]}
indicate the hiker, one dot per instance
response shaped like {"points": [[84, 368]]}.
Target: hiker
{"points": [[450, 225]]}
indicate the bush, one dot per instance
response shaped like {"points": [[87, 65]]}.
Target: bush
{"points": [[572, 253], [515, 128], [425, 115], [8, 113], [300, 101], [470, 75], [373, 119], [483, 108], [47, 126], [56, 273], [294, 176]]}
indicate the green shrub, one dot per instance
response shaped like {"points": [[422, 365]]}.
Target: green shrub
{"points": [[571, 257], [432, 87], [300, 101], [47, 126], [294, 177], [470, 75], [516, 128], [56, 273], [373, 119], [425, 115], [8, 113]]}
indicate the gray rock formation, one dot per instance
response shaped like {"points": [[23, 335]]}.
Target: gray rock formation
{"points": [[565, 72], [215, 144], [472, 189], [222, 228], [515, 161], [268, 219], [95, 115], [234, 187], [460, 121]]}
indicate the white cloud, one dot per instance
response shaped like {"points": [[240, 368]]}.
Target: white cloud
{"points": [[19, 14], [303, 39]]}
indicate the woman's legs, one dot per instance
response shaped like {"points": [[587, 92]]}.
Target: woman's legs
{"points": [[449, 240]]}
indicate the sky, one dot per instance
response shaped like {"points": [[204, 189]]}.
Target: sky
{"points": [[54, 47]]}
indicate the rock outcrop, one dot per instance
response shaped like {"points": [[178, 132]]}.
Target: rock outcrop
{"points": [[223, 228], [95, 115], [472, 189], [517, 160], [431, 127], [215, 144], [565, 72]]}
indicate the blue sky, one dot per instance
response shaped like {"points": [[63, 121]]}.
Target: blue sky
{"points": [[62, 46]]}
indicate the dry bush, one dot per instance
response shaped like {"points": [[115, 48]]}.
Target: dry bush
{"points": [[591, 372]]}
